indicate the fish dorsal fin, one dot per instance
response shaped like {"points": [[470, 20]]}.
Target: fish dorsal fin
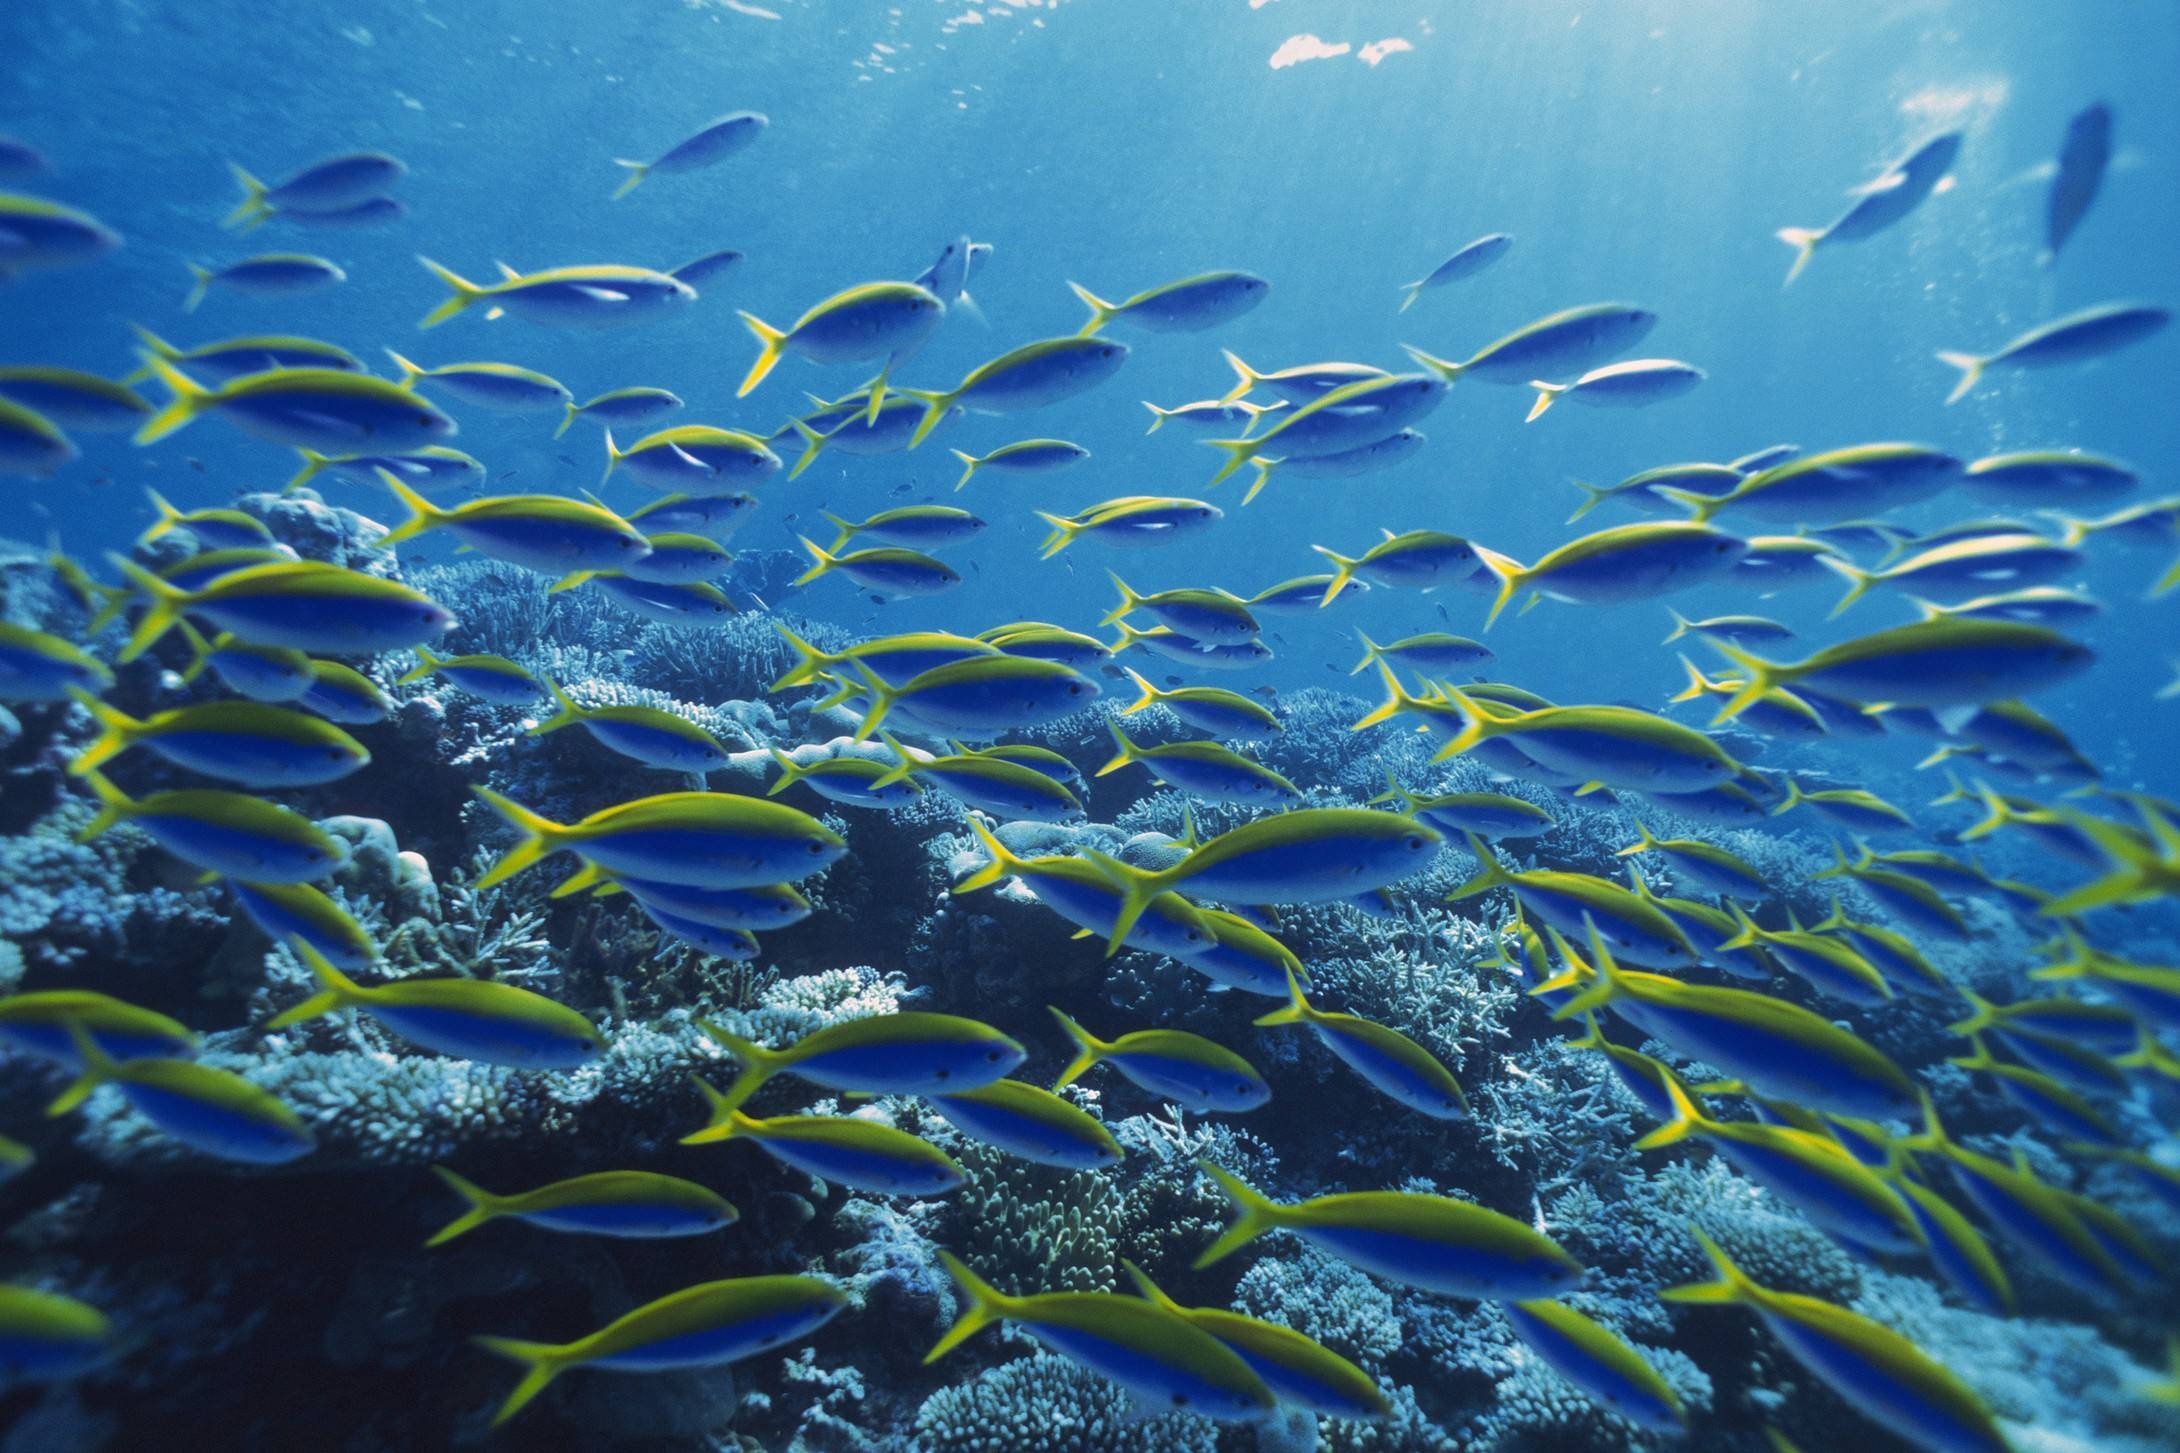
{"points": [[507, 272]]}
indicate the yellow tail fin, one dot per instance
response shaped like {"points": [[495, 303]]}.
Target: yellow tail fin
{"points": [[1101, 312], [826, 560], [1971, 373], [986, 1305], [1245, 377], [465, 293], [117, 733], [253, 208], [1257, 1216], [190, 399], [336, 990], [1547, 395], [1343, 571], [1088, 1049], [970, 464], [1512, 574], [1732, 1285], [1296, 1011], [1150, 697], [483, 1207], [542, 836], [637, 171], [423, 514], [1804, 241], [771, 342], [164, 606], [542, 1362]]}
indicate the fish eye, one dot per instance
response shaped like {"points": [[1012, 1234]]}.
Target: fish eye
{"points": [[816, 848], [1415, 843]]}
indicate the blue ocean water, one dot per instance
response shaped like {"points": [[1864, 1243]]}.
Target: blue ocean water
{"points": [[1639, 152]]}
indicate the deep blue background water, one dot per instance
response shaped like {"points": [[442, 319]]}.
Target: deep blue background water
{"points": [[1644, 152]]}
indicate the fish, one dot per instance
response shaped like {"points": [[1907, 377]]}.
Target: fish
{"points": [[1808, 1170], [1617, 565], [896, 659], [1352, 416], [890, 569], [1175, 1066], [1739, 629], [693, 459], [620, 1203], [978, 697], [474, 1019], [1467, 261], [229, 833], [2083, 157], [1781, 1049], [712, 143], [881, 320], [862, 1155], [1302, 384], [1898, 190], [1080, 892], [1211, 414], [1942, 662], [1637, 928], [1048, 371], [2086, 334], [303, 605], [1429, 653], [2149, 992], [1024, 456], [1572, 340], [244, 742], [1415, 560], [69, 398], [1342, 464], [1394, 1065], [1963, 567], [924, 526], [326, 409], [501, 387], [38, 666], [1432, 1243], [1158, 1356], [1835, 485], [646, 734], [1632, 384], [1880, 1373], [1029, 1123], [544, 532], [1617, 745], [1008, 790], [949, 273], [213, 1111], [697, 839], [903, 1053], [1130, 521], [37, 234], [432, 466], [1643, 490], [592, 295], [768, 906], [1303, 855], [1854, 808], [2039, 478], [718, 516], [1490, 815], [218, 529], [30, 444], [233, 358], [1188, 305], [678, 558], [1206, 709], [1300, 1372], [1598, 1362], [44, 1023], [18, 158], [705, 1325], [1706, 865], [45, 1336], [1242, 956], [268, 275], [1205, 770], [334, 184], [287, 911], [2043, 1099]]}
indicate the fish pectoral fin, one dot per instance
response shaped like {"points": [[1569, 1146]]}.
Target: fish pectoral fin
{"points": [[601, 295]]}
